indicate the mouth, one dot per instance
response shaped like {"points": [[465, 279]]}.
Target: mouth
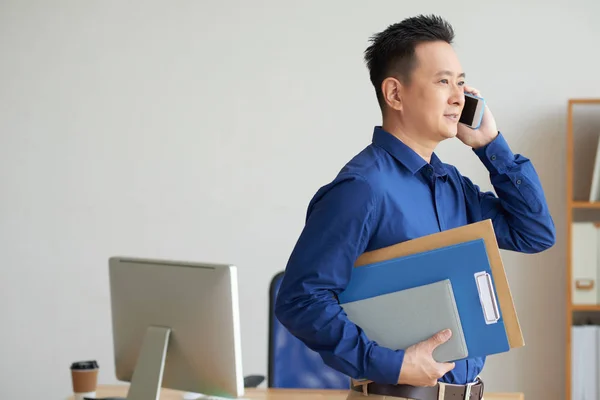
{"points": [[452, 117]]}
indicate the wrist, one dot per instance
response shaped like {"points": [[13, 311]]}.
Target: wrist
{"points": [[486, 139], [406, 370], [496, 156]]}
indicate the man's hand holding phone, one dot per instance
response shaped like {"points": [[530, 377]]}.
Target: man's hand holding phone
{"points": [[486, 132]]}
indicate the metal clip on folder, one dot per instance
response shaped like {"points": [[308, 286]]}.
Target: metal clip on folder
{"points": [[487, 297]]}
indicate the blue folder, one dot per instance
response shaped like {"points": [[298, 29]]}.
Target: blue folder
{"points": [[461, 264]]}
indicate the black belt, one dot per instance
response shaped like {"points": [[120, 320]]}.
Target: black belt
{"points": [[451, 391]]}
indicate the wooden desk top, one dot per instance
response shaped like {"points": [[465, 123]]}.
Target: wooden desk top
{"points": [[254, 394], [275, 394]]}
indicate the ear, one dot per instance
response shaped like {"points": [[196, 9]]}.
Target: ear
{"points": [[392, 90]]}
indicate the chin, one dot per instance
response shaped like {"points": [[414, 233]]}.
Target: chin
{"points": [[449, 130], [449, 134]]}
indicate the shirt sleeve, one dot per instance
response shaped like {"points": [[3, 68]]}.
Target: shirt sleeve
{"points": [[339, 223], [519, 212]]}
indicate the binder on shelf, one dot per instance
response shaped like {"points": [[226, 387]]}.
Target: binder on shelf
{"points": [[584, 258], [595, 184], [584, 362], [374, 290]]}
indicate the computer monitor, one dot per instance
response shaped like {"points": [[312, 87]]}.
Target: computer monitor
{"points": [[176, 325]]}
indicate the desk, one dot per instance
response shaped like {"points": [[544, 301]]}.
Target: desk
{"points": [[277, 394]]}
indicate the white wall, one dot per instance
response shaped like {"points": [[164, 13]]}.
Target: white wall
{"points": [[200, 130]]}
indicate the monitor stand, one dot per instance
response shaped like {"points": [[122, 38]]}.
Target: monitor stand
{"points": [[146, 381]]}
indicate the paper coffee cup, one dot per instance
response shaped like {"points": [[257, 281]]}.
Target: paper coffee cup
{"points": [[84, 375]]}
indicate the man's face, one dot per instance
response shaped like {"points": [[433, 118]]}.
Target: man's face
{"points": [[434, 98]]}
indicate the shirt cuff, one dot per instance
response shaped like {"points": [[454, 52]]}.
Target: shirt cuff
{"points": [[385, 365], [496, 155]]}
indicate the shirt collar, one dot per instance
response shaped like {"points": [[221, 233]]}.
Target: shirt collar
{"points": [[407, 156], [438, 166]]}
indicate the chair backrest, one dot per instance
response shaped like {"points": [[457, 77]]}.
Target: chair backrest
{"points": [[291, 363]]}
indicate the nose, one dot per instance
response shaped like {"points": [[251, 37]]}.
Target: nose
{"points": [[457, 97]]}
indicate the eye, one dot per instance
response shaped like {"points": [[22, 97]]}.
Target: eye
{"points": [[444, 81], [462, 83]]}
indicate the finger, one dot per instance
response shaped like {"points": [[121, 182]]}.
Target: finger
{"points": [[473, 91], [431, 383], [446, 367], [439, 338]]}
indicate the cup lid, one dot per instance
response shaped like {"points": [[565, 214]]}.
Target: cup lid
{"points": [[92, 364]]}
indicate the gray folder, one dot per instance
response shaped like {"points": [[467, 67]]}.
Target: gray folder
{"points": [[400, 319]]}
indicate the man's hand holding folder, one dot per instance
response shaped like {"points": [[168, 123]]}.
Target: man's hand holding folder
{"points": [[398, 308], [419, 368]]}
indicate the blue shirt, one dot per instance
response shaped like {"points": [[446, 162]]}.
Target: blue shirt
{"points": [[385, 195]]}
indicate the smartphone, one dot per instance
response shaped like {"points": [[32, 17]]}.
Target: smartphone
{"points": [[472, 112]]}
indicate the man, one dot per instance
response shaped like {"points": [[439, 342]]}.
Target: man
{"points": [[397, 189]]}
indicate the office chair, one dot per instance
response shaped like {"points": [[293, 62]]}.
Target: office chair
{"points": [[291, 363]]}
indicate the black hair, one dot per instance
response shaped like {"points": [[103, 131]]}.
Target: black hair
{"points": [[392, 52]]}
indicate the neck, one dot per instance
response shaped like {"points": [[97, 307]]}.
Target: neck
{"points": [[419, 143]]}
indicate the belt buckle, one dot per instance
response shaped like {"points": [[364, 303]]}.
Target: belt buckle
{"points": [[441, 390], [468, 390]]}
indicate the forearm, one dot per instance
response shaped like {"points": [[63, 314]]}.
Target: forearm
{"points": [[520, 212], [340, 221], [319, 321]]}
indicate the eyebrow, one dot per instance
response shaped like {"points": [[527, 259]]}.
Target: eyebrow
{"points": [[448, 73]]}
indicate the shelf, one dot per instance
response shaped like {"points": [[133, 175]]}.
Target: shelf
{"points": [[585, 204], [577, 211], [584, 101], [585, 307]]}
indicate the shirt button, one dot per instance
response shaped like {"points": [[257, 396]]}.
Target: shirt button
{"points": [[518, 181], [493, 157]]}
